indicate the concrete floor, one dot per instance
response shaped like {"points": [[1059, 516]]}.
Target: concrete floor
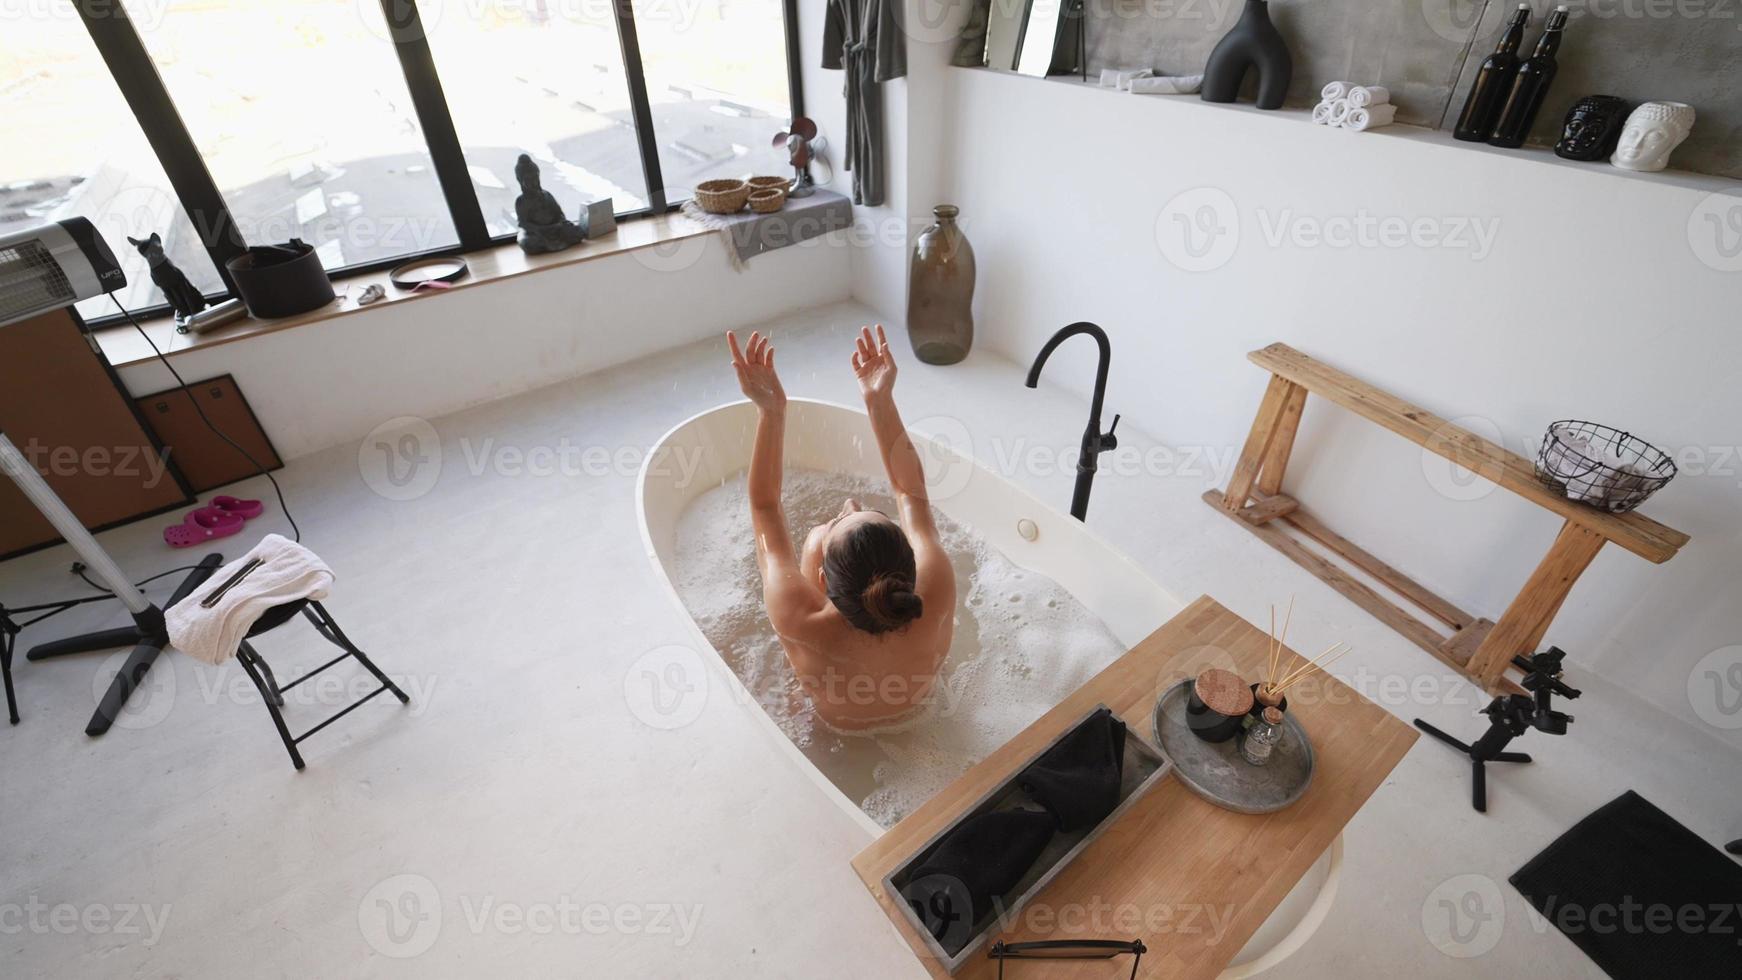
{"points": [[523, 817]]}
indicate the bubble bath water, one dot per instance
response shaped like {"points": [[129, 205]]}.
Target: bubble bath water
{"points": [[1022, 644]]}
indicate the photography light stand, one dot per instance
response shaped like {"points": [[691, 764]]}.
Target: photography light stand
{"points": [[147, 636]]}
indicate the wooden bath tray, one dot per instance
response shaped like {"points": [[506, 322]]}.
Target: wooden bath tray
{"points": [[1171, 852]]}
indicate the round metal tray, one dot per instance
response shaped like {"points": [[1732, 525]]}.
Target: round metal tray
{"points": [[1215, 770]]}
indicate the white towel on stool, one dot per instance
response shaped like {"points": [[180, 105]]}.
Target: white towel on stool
{"points": [[1367, 96], [1334, 91], [1167, 85], [1361, 120], [288, 572]]}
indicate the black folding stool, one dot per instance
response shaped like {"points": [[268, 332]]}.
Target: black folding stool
{"points": [[273, 694]]}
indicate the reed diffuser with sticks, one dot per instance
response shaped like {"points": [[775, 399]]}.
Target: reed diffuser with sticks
{"points": [[1272, 691]]}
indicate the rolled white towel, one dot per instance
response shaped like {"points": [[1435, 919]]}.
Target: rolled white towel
{"points": [[1361, 120], [1334, 91], [1109, 78], [1367, 96], [1339, 112], [1167, 85], [1127, 77], [1322, 113]]}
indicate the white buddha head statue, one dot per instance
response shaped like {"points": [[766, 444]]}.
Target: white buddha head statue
{"points": [[1653, 132]]}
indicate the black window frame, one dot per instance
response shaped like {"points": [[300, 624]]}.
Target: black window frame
{"points": [[129, 62]]}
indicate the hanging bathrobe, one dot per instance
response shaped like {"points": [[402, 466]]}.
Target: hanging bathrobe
{"points": [[864, 38]]}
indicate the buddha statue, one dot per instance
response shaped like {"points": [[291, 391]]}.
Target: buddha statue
{"points": [[1653, 132], [542, 225], [1592, 129]]}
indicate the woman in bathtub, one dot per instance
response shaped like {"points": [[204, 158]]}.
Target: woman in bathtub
{"points": [[866, 610]]}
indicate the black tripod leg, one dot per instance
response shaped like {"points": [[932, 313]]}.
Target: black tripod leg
{"points": [[1734, 847], [122, 636], [144, 654], [1442, 736], [6, 646], [1512, 757], [1479, 786], [122, 687]]}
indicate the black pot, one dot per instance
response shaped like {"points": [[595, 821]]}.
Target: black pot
{"points": [[280, 280], [1209, 724]]}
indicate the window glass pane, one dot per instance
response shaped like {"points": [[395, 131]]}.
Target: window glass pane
{"points": [[72, 148], [716, 79], [301, 112], [545, 78]]}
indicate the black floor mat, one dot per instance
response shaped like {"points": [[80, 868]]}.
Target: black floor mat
{"points": [[1642, 895]]}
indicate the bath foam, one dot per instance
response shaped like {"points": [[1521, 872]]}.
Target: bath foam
{"points": [[1022, 644]]}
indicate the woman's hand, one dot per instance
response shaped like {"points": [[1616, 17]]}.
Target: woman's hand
{"points": [[755, 367], [874, 365]]}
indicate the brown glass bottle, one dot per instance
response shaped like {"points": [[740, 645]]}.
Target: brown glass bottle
{"points": [[1493, 81], [1530, 86], [940, 291]]}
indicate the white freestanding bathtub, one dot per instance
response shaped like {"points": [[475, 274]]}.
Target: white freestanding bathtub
{"points": [[715, 445]]}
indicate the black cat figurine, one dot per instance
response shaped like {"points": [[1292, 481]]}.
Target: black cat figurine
{"points": [[181, 295]]}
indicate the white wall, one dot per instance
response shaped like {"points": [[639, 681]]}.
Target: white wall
{"points": [[331, 382], [1592, 302]]}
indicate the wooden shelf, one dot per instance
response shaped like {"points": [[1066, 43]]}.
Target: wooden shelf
{"points": [[123, 346]]}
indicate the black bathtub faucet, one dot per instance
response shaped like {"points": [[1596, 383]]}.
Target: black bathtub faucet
{"points": [[1095, 442]]}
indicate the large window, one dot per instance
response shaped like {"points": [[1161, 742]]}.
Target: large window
{"points": [[524, 79], [72, 148], [267, 120], [716, 78], [301, 113]]}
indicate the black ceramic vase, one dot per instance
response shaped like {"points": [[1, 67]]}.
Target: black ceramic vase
{"points": [[1254, 43]]}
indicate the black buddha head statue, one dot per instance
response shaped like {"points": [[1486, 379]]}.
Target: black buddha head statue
{"points": [[1592, 128]]}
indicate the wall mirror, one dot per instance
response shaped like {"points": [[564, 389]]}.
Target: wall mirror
{"points": [[1035, 37]]}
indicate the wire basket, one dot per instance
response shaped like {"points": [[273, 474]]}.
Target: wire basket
{"points": [[1601, 466]]}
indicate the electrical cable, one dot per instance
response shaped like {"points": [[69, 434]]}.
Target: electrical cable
{"points": [[296, 532]]}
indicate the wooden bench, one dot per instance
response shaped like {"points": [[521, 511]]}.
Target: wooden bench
{"points": [[1479, 648]]}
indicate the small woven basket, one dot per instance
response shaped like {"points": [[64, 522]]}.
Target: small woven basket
{"points": [[764, 183], [767, 201], [725, 196], [1601, 466]]}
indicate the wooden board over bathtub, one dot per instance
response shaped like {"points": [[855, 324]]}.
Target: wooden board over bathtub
{"points": [[1172, 852]]}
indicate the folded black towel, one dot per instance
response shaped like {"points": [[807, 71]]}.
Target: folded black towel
{"points": [[981, 860], [1077, 780], [1642, 895]]}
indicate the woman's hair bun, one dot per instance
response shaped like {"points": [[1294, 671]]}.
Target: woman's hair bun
{"points": [[891, 601]]}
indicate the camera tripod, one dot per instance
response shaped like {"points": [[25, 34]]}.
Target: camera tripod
{"points": [[1511, 715]]}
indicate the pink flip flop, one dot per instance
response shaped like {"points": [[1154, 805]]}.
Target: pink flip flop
{"points": [[245, 509], [200, 526]]}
